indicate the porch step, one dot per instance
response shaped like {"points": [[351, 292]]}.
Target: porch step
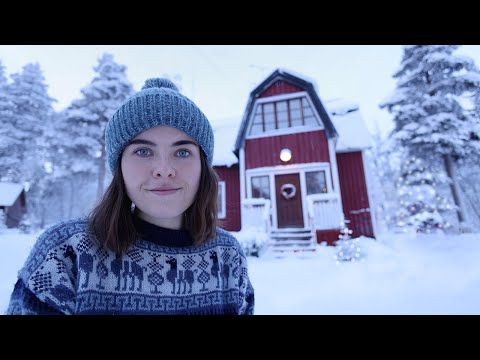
{"points": [[292, 240]]}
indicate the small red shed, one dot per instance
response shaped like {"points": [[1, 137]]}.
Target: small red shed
{"points": [[12, 203]]}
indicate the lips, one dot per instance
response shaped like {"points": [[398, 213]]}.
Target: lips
{"points": [[164, 190]]}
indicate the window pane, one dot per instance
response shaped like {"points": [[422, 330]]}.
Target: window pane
{"points": [[265, 187], [219, 201], [316, 182], [281, 106], [310, 120], [257, 119], [308, 116], [295, 104], [307, 111], [268, 108], [257, 126], [282, 118], [256, 191], [296, 117], [260, 187], [269, 121]]}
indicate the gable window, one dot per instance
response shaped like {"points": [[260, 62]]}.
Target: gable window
{"points": [[316, 182], [260, 187], [282, 114], [221, 201]]}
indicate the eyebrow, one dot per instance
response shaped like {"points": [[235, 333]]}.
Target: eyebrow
{"points": [[151, 143]]}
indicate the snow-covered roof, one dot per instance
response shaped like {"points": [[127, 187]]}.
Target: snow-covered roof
{"points": [[225, 132], [352, 131], [9, 192]]}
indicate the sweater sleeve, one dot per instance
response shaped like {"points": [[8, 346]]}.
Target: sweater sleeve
{"points": [[247, 294], [25, 302], [47, 282], [249, 301]]}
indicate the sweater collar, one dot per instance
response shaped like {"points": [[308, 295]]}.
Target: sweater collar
{"points": [[162, 236]]}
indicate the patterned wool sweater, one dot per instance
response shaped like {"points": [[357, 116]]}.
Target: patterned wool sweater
{"points": [[162, 273]]}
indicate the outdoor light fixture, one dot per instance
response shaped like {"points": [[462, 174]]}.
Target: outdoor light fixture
{"points": [[285, 155]]}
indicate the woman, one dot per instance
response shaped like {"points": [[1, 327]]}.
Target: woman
{"points": [[151, 246]]}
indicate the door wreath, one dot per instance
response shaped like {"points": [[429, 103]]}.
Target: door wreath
{"points": [[288, 191]]}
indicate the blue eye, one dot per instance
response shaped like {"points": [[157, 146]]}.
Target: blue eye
{"points": [[143, 152], [183, 153]]}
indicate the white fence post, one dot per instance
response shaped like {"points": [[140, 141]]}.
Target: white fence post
{"points": [[256, 214], [325, 210]]}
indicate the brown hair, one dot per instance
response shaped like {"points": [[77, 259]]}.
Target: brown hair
{"points": [[111, 220]]}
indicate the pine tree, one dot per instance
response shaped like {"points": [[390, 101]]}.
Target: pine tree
{"points": [[384, 164], [32, 120], [429, 119], [8, 156], [420, 206], [33, 112], [89, 115]]}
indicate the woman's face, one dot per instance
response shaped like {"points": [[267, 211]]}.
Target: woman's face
{"points": [[161, 168]]}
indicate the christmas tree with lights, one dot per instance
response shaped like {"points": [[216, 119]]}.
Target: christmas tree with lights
{"points": [[420, 205], [348, 249]]}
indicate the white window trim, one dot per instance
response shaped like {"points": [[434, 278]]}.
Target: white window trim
{"points": [[221, 186], [284, 131]]}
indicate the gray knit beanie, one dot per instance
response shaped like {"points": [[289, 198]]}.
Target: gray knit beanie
{"points": [[158, 103]]}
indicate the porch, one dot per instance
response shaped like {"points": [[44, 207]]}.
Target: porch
{"points": [[324, 213]]}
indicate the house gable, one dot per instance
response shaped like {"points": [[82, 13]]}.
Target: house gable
{"points": [[280, 87], [277, 84]]}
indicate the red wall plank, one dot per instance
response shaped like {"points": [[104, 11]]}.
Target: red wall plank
{"points": [[280, 87], [354, 193], [306, 147], [330, 236]]}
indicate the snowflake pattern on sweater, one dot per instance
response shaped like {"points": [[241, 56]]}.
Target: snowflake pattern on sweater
{"points": [[67, 272]]}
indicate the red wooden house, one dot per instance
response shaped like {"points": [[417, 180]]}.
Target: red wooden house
{"points": [[297, 168]]}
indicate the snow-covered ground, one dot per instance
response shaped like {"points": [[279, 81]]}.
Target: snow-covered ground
{"points": [[401, 274]]}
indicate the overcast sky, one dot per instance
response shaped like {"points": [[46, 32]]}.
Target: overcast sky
{"points": [[219, 78]]}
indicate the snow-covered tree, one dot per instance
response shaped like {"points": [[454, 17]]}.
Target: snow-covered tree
{"points": [[74, 150], [27, 145], [8, 157], [87, 117], [430, 121], [469, 181], [384, 162], [420, 206], [348, 249], [33, 112]]}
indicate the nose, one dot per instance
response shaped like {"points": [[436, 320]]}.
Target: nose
{"points": [[163, 168]]}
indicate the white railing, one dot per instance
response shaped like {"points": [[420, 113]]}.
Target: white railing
{"points": [[324, 211], [256, 214]]}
